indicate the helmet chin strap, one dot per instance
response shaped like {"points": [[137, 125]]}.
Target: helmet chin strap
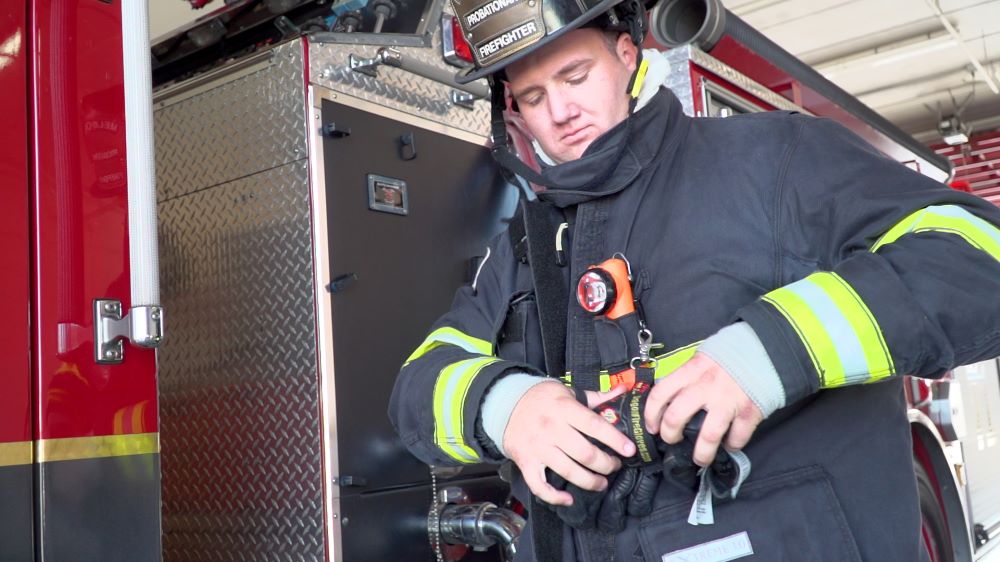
{"points": [[511, 165]]}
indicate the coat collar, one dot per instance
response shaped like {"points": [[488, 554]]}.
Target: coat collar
{"points": [[660, 124]]}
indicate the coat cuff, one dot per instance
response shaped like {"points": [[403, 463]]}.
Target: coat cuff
{"points": [[500, 401], [739, 351], [820, 331], [458, 394], [786, 352]]}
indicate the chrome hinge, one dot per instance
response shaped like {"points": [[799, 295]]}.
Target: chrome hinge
{"points": [[143, 326], [392, 57], [463, 99]]}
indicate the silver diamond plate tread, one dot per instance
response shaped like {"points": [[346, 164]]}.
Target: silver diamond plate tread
{"points": [[246, 125], [679, 78], [240, 427], [394, 87]]}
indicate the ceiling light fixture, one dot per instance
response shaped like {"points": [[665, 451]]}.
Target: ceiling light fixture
{"points": [[890, 53], [953, 130], [897, 55]]}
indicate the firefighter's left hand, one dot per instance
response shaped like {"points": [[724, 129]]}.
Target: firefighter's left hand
{"points": [[702, 384]]}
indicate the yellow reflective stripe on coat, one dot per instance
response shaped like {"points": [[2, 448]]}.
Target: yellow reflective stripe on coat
{"points": [[665, 364], [841, 336], [450, 392], [451, 336], [949, 219], [672, 360]]}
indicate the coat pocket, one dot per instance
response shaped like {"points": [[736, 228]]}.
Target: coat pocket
{"points": [[789, 517]]}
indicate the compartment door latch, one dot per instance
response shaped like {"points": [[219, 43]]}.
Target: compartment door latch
{"points": [[143, 326]]}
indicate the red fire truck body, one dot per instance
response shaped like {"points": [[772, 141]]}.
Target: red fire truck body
{"points": [[305, 182], [69, 427], [15, 400]]}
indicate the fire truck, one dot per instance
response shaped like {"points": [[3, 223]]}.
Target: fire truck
{"points": [[202, 337]]}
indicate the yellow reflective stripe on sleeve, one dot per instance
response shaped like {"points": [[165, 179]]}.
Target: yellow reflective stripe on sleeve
{"points": [[949, 219], [451, 336], [840, 333], [863, 326], [450, 392], [902, 227], [810, 330]]}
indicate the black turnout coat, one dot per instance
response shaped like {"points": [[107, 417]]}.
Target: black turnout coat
{"points": [[852, 269]]}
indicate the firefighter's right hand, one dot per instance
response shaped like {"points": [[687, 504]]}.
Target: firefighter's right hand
{"points": [[548, 428]]}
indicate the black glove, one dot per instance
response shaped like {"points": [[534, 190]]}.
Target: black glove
{"points": [[630, 491], [679, 467], [586, 504]]}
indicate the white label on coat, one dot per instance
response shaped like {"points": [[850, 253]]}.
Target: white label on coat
{"points": [[722, 550], [701, 510]]}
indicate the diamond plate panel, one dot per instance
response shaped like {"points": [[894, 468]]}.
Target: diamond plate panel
{"points": [[250, 123], [240, 427], [394, 87], [679, 78]]}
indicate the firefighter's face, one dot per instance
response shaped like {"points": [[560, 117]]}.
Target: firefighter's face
{"points": [[573, 90]]}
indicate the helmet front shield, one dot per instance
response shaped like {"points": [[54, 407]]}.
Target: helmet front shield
{"points": [[501, 31]]}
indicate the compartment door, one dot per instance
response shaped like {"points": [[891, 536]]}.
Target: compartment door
{"points": [[409, 210]]}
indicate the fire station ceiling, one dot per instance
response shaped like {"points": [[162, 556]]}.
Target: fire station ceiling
{"points": [[907, 59]]}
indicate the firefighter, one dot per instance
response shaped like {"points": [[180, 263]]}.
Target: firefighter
{"points": [[780, 278]]}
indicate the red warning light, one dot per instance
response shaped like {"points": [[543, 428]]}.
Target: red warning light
{"points": [[455, 49], [462, 47]]}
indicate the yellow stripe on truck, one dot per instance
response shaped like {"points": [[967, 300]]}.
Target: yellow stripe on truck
{"points": [[78, 448], [101, 446], [15, 454]]}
